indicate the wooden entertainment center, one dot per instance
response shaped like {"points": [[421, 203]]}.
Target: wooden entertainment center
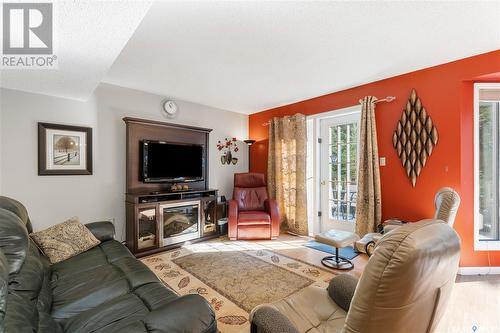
{"points": [[157, 218]]}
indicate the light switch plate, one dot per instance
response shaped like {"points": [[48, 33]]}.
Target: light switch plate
{"points": [[382, 161]]}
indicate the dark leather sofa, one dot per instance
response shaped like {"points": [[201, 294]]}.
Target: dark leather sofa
{"points": [[105, 289]]}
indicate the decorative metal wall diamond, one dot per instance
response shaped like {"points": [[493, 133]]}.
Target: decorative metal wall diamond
{"points": [[414, 138]]}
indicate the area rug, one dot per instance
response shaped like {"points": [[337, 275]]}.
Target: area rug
{"points": [[346, 252], [235, 277]]}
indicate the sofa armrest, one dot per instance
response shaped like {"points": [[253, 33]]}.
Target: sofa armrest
{"points": [[189, 313], [4, 286], [273, 210], [232, 219], [341, 290], [266, 319], [103, 230]]}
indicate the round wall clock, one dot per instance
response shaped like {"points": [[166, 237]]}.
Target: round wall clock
{"points": [[169, 107]]}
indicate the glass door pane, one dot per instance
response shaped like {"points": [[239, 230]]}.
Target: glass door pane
{"points": [[146, 217], [209, 210], [343, 171], [339, 167]]}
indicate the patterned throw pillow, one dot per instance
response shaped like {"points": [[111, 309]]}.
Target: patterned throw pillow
{"points": [[64, 240]]}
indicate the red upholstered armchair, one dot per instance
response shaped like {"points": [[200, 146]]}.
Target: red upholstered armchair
{"points": [[252, 215]]}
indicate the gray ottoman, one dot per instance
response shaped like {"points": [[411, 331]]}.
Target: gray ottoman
{"points": [[337, 239]]}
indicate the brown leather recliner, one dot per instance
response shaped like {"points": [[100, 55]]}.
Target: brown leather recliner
{"points": [[252, 215], [404, 288]]}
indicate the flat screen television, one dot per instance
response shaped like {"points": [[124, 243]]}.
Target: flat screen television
{"points": [[171, 162]]}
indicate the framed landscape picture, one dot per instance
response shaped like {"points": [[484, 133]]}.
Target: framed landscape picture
{"points": [[64, 150]]}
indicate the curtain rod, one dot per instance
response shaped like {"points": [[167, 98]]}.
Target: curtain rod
{"points": [[387, 99]]}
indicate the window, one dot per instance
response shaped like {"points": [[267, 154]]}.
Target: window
{"points": [[486, 166], [343, 153]]}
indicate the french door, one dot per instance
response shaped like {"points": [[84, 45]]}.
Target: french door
{"points": [[339, 143]]}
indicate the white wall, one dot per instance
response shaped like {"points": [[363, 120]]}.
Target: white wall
{"points": [[52, 199]]}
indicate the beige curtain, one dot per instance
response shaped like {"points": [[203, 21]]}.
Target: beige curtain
{"points": [[286, 170], [368, 204]]}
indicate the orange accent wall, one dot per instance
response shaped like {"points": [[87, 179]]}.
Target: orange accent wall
{"points": [[446, 91]]}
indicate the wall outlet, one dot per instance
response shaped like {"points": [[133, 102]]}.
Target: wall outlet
{"points": [[382, 161]]}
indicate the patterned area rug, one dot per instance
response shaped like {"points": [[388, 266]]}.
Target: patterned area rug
{"points": [[234, 277]]}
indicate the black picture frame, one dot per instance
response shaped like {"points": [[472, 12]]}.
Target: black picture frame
{"points": [[43, 154]]}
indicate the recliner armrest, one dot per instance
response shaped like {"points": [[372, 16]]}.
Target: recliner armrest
{"points": [[103, 230], [273, 210], [4, 287], [266, 319], [341, 290], [233, 208], [232, 218]]}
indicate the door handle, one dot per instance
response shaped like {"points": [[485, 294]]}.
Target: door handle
{"points": [[323, 182]]}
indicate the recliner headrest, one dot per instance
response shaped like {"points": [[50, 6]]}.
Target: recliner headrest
{"points": [[17, 208], [249, 180], [14, 240], [446, 201]]}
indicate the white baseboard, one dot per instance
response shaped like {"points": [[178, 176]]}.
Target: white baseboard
{"points": [[479, 270]]}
